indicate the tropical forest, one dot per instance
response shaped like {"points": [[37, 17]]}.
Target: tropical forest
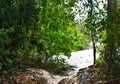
{"points": [[59, 41]]}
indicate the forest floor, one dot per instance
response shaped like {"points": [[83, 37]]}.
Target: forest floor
{"points": [[89, 75], [41, 76]]}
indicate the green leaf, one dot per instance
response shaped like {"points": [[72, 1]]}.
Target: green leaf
{"points": [[10, 61]]}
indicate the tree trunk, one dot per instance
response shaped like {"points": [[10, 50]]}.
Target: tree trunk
{"points": [[94, 49], [110, 48]]}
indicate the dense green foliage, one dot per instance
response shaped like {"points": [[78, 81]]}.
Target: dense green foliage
{"points": [[32, 30], [16, 18], [112, 42]]}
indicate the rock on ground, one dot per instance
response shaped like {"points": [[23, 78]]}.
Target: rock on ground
{"points": [[84, 76], [38, 76]]}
